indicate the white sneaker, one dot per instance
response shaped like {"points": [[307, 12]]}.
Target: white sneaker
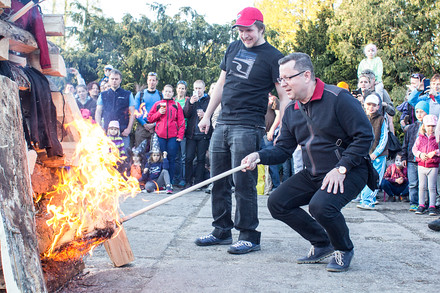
{"points": [[366, 206]]}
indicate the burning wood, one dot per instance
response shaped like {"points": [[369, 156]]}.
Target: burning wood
{"points": [[90, 191], [80, 246]]}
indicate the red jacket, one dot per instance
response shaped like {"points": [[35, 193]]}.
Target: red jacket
{"points": [[425, 144], [168, 125], [392, 173]]}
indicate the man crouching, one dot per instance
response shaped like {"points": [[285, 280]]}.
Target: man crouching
{"points": [[335, 136]]}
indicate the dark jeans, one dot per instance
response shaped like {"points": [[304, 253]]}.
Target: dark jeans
{"points": [[394, 189], [179, 170], [170, 146], [273, 169], [413, 179], [326, 224], [229, 145], [288, 169], [198, 145]]}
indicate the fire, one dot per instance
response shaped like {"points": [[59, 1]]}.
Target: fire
{"points": [[89, 213], [142, 111]]}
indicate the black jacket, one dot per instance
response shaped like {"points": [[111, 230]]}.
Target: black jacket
{"points": [[40, 112], [190, 113], [410, 138], [338, 115]]}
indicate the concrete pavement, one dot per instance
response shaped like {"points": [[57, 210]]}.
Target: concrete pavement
{"points": [[395, 251]]}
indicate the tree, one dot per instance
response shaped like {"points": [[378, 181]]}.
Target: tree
{"points": [[184, 46], [285, 17], [406, 33], [312, 38]]}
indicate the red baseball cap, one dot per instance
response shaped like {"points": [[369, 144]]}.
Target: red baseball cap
{"points": [[248, 16]]}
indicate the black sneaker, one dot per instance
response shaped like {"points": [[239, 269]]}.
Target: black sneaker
{"points": [[242, 247], [432, 211], [434, 225], [421, 210], [340, 261], [316, 254], [212, 240]]}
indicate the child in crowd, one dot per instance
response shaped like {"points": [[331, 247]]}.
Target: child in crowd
{"points": [[395, 180], [136, 167], [170, 125], [422, 109], [427, 154], [113, 133], [375, 64], [378, 150], [155, 173]]}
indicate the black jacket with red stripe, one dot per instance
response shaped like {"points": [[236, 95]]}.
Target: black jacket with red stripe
{"points": [[337, 115]]}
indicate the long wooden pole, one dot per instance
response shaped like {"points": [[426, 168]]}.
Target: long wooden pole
{"points": [[192, 188]]}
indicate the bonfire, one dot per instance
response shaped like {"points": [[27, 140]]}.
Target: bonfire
{"points": [[89, 212]]}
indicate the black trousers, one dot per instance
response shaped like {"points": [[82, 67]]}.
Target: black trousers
{"points": [[198, 145], [325, 224]]}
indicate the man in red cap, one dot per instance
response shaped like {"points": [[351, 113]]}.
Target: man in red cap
{"points": [[249, 72]]}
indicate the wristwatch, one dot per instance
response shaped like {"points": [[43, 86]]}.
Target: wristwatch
{"points": [[342, 170]]}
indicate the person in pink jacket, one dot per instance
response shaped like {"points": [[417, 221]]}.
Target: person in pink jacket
{"points": [[427, 155], [170, 125]]}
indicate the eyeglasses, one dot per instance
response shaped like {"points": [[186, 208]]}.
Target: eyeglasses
{"points": [[152, 73], [281, 79]]}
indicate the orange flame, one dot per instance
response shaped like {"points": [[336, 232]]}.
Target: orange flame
{"points": [[91, 193], [142, 112]]}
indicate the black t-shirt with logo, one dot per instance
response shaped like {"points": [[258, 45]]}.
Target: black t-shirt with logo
{"points": [[250, 75]]}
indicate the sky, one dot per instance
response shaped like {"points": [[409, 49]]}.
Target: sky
{"points": [[220, 12]]}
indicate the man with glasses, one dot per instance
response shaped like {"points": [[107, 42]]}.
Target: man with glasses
{"points": [[249, 73], [144, 100], [335, 136]]}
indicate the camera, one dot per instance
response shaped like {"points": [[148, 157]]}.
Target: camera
{"points": [[357, 92]]}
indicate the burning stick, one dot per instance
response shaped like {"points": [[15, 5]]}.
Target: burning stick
{"points": [[117, 248], [192, 188]]}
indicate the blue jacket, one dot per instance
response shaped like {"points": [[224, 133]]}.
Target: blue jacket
{"points": [[143, 102], [154, 169], [434, 102], [115, 106]]}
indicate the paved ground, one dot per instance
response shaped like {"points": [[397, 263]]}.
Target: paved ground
{"points": [[394, 252]]}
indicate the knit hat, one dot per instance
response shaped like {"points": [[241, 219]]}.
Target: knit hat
{"points": [[430, 120], [342, 84], [248, 16], [423, 105], [114, 124], [372, 99]]}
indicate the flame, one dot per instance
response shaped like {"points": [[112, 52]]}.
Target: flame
{"points": [[142, 112], [89, 213]]}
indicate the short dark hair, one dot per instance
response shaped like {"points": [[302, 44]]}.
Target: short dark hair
{"points": [[115, 71], [303, 62], [260, 25]]}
